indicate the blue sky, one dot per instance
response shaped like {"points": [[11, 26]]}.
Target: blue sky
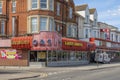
{"points": [[108, 10]]}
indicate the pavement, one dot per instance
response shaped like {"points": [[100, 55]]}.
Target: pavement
{"points": [[17, 73]]}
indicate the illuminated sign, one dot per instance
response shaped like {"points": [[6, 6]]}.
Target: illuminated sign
{"points": [[73, 43], [20, 42]]}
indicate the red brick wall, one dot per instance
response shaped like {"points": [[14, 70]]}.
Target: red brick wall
{"points": [[16, 62], [22, 14]]}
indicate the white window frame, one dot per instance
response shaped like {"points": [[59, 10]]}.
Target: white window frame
{"points": [[44, 22], [70, 12], [13, 26], [34, 31], [34, 3], [51, 5], [51, 24], [1, 7], [13, 6], [58, 9], [44, 3], [2, 27]]}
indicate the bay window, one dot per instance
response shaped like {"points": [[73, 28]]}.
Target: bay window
{"points": [[37, 23], [34, 24], [72, 30], [41, 4]]}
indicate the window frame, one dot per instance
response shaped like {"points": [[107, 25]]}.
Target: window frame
{"points": [[2, 27], [1, 7], [34, 31], [58, 9], [44, 22], [13, 6], [32, 8], [44, 3]]}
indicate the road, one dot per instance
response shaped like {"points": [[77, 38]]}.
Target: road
{"points": [[97, 74]]}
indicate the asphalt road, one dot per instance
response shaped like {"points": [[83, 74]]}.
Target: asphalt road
{"points": [[100, 74]]}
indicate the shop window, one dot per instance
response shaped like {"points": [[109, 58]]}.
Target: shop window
{"points": [[54, 56]]}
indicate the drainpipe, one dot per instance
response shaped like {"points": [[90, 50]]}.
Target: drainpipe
{"points": [[7, 16]]}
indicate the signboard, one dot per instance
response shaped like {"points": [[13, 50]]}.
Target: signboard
{"points": [[73, 44], [41, 55], [9, 54], [21, 42]]}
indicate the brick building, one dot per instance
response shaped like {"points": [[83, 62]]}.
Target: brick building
{"points": [[25, 17], [20, 19]]}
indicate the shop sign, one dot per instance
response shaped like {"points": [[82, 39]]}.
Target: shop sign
{"points": [[41, 55], [9, 54], [21, 42], [73, 44]]}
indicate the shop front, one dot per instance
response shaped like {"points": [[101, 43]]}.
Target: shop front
{"points": [[44, 46]]}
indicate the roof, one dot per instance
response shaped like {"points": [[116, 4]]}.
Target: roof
{"points": [[92, 10], [81, 7]]}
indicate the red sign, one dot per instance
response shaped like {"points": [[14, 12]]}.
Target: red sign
{"points": [[22, 42], [46, 40], [73, 44]]}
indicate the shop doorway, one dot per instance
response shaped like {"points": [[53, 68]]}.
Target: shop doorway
{"points": [[37, 58], [33, 56]]}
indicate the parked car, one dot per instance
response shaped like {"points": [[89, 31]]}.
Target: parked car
{"points": [[102, 57]]}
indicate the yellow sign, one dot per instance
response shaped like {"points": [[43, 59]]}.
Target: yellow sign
{"points": [[73, 44], [20, 42], [41, 55]]}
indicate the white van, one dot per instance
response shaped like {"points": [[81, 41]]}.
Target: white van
{"points": [[102, 57]]}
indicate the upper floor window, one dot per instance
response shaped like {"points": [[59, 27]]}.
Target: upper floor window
{"points": [[3, 27], [51, 25], [51, 5], [34, 24], [58, 9], [34, 4], [0, 7], [70, 12], [43, 4], [43, 23], [13, 6], [86, 33], [74, 32]]}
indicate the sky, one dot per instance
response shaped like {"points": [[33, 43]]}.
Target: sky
{"points": [[108, 10]]}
